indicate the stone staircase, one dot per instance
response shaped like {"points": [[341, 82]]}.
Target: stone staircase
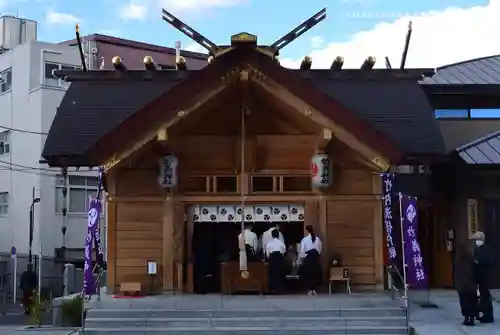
{"points": [[325, 321]]}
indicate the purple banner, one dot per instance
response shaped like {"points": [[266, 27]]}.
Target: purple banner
{"points": [[415, 273], [387, 180], [93, 237]]}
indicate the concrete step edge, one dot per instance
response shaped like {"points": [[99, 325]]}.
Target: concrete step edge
{"points": [[161, 310], [264, 318], [306, 328]]}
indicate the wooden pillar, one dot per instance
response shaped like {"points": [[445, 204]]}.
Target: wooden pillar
{"points": [[111, 235], [168, 243], [378, 233], [111, 248], [323, 233], [179, 245], [188, 288]]}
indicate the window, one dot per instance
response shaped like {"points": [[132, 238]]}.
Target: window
{"points": [[196, 184], [4, 203], [473, 113], [296, 184], [5, 80], [485, 113], [226, 184], [263, 183], [50, 79], [451, 113], [79, 189], [4, 142]]}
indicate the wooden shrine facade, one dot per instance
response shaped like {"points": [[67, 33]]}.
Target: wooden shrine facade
{"points": [[242, 127]]}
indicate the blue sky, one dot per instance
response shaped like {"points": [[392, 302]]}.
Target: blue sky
{"points": [[218, 19]]}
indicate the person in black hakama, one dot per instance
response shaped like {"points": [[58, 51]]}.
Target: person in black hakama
{"points": [[465, 284], [310, 271], [483, 263], [275, 250]]}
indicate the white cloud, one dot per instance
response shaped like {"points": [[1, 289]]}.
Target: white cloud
{"points": [[53, 17], [317, 42], [195, 47], [192, 5], [133, 11], [438, 38]]}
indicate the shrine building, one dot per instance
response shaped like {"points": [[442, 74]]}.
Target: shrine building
{"points": [[184, 149]]}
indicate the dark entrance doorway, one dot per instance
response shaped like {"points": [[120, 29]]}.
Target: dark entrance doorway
{"points": [[217, 242]]}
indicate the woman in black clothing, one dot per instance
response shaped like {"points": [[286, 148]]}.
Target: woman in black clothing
{"points": [[310, 250]]}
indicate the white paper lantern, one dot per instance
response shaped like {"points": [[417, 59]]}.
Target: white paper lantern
{"points": [[168, 171], [321, 171]]}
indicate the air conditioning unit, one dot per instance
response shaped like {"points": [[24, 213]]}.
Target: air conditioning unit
{"points": [[168, 171]]}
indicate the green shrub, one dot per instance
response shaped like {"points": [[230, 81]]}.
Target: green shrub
{"points": [[36, 310], [72, 310]]}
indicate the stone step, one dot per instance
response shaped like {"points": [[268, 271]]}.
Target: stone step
{"points": [[304, 330], [228, 313], [209, 323]]}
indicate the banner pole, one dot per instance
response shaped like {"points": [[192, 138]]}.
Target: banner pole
{"points": [[403, 256], [243, 255]]}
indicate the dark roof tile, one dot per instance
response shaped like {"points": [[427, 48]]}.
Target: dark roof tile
{"points": [[485, 70], [398, 108], [89, 110]]}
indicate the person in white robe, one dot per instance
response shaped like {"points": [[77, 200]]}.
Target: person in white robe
{"points": [[275, 250], [310, 250], [251, 243], [267, 237]]}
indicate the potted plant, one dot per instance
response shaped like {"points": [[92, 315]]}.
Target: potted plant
{"points": [[35, 310], [72, 310]]}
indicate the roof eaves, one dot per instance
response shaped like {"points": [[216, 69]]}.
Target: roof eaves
{"points": [[137, 45], [465, 62]]}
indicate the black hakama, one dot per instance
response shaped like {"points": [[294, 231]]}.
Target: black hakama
{"points": [[310, 271], [276, 271], [251, 254]]}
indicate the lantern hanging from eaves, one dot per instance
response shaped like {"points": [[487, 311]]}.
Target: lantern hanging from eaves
{"points": [[168, 171], [321, 171]]}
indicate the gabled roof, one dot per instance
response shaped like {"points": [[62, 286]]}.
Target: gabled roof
{"points": [[90, 112], [485, 70], [394, 106], [485, 150]]}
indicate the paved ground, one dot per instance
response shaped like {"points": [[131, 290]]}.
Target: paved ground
{"points": [[19, 330], [447, 320]]}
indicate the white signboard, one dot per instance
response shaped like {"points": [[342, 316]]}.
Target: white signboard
{"points": [[151, 268]]}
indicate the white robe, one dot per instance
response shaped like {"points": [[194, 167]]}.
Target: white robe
{"points": [[307, 244], [268, 237]]}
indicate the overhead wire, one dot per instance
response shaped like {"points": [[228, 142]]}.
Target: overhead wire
{"points": [[4, 165], [23, 131], [36, 173]]}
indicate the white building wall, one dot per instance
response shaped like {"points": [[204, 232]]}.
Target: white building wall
{"points": [[31, 105]]}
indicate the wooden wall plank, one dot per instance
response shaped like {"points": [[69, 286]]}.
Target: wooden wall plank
{"points": [[140, 212], [351, 226], [167, 244], [139, 244], [145, 235], [138, 239], [138, 226], [378, 233], [111, 248]]}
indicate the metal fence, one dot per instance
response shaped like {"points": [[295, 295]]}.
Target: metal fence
{"points": [[52, 283]]}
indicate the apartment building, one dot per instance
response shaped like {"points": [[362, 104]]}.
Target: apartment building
{"points": [[29, 97]]}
